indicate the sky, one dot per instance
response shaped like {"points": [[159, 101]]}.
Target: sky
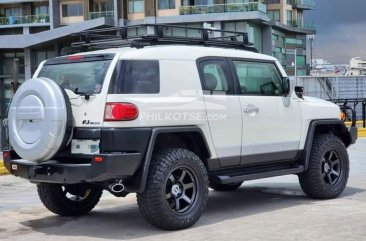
{"points": [[341, 30]]}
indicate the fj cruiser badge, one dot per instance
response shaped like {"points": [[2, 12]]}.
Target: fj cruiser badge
{"points": [[88, 122]]}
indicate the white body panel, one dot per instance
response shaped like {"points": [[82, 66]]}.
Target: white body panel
{"points": [[179, 103], [224, 119], [276, 127], [315, 109]]}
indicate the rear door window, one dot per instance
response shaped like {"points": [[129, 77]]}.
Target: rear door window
{"points": [[136, 77]]}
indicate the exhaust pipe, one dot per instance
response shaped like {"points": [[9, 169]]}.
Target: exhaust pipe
{"points": [[117, 187]]}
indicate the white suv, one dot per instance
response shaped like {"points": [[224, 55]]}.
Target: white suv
{"points": [[167, 122]]}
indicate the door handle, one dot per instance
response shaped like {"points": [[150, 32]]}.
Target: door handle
{"points": [[250, 109]]}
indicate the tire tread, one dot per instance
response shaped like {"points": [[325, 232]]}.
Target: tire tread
{"points": [[54, 200], [311, 181], [150, 201]]}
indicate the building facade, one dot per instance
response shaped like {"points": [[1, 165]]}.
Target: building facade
{"points": [[34, 30]]}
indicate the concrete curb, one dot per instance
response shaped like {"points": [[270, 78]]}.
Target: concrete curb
{"points": [[3, 170], [361, 132]]}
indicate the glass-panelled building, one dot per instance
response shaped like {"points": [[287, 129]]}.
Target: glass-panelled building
{"points": [[289, 30]]}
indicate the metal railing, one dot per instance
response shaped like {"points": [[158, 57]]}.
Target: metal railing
{"points": [[298, 24], [306, 4], [28, 19], [107, 15], [272, 1], [223, 8], [339, 89]]}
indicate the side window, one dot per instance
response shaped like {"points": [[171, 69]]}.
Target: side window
{"points": [[136, 77], [214, 77], [258, 78]]}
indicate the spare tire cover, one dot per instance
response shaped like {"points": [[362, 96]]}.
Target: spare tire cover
{"points": [[38, 119]]}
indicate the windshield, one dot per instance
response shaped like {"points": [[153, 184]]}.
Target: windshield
{"points": [[81, 77]]}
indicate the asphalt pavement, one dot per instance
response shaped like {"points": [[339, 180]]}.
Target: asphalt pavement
{"points": [[267, 209]]}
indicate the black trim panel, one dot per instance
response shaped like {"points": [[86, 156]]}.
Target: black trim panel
{"points": [[226, 179], [113, 166], [215, 164], [140, 180], [125, 139], [348, 136], [251, 172], [230, 161], [353, 134], [269, 157], [117, 139], [87, 133]]}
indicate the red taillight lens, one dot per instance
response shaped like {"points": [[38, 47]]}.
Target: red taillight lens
{"points": [[120, 112], [75, 57], [98, 159], [6, 155]]}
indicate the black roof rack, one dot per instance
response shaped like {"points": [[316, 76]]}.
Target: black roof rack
{"points": [[137, 36]]}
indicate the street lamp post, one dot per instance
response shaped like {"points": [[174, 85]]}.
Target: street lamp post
{"points": [[295, 65], [311, 38]]}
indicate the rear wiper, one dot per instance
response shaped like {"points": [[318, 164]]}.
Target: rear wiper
{"points": [[86, 95]]}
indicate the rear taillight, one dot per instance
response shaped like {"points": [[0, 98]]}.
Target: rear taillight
{"points": [[120, 111], [6, 155]]}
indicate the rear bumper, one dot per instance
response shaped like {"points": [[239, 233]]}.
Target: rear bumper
{"points": [[113, 166]]}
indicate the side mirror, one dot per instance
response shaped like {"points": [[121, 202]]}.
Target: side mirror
{"points": [[299, 91], [286, 86]]}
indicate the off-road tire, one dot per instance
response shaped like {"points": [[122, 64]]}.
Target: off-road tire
{"points": [[225, 187], [154, 203], [314, 181], [54, 199]]}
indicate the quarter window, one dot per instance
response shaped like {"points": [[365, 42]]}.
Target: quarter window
{"points": [[258, 78], [214, 77], [136, 77]]}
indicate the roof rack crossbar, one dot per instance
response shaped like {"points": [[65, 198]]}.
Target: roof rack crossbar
{"points": [[163, 35]]}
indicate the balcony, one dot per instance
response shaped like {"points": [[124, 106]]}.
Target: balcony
{"points": [[223, 8], [107, 15], [304, 4], [272, 1], [297, 24], [25, 20]]}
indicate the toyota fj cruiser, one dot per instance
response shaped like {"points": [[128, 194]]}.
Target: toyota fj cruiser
{"points": [[168, 122]]}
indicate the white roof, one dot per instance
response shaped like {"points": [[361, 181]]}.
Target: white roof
{"points": [[181, 52]]}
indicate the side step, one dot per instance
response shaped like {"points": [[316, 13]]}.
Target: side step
{"points": [[245, 176]]}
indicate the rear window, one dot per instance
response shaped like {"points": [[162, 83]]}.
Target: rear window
{"points": [[84, 77], [136, 77]]}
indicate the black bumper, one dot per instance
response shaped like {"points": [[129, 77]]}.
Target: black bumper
{"points": [[112, 166], [353, 134]]}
